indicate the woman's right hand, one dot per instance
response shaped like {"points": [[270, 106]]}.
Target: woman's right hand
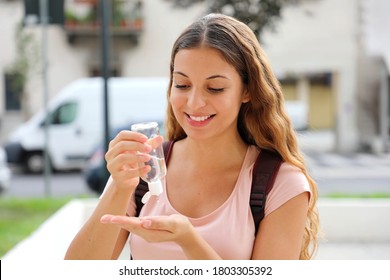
{"points": [[125, 155]]}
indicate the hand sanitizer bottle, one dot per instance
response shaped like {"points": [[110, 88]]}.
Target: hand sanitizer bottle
{"points": [[157, 161]]}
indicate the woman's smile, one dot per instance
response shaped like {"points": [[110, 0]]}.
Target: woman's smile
{"points": [[199, 120]]}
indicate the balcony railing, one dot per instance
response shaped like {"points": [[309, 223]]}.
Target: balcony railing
{"points": [[82, 19]]}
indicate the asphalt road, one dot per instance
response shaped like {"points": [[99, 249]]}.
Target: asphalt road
{"points": [[330, 180], [70, 184]]}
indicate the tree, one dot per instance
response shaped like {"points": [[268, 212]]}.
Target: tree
{"points": [[257, 14]]}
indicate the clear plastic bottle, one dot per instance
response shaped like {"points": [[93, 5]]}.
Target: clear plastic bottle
{"points": [[157, 161]]}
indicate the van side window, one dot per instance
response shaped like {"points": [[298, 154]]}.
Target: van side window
{"points": [[64, 114]]}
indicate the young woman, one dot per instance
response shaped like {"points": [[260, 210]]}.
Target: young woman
{"points": [[225, 107]]}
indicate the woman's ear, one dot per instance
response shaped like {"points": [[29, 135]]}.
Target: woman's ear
{"points": [[245, 96]]}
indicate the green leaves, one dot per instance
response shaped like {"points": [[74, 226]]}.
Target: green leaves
{"points": [[257, 14]]}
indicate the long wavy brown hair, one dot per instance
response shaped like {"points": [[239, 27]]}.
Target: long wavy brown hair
{"points": [[263, 120]]}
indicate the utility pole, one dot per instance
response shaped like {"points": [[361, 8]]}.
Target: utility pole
{"points": [[43, 6]]}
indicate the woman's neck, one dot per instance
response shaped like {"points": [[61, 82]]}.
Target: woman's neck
{"points": [[214, 152]]}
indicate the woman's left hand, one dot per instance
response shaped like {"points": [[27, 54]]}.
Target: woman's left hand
{"points": [[174, 228]]}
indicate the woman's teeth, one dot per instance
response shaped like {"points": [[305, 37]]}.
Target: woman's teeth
{"points": [[199, 119]]}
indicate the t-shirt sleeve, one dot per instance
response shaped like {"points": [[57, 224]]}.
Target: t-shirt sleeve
{"points": [[289, 182]]}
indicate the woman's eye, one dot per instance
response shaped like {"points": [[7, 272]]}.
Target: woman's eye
{"points": [[181, 86], [216, 90]]}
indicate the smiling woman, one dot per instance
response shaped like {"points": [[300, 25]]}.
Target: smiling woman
{"points": [[225, 111]]}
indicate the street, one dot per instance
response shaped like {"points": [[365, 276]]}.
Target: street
{"points": [[70, 184], [350, 174], [358, 174]]}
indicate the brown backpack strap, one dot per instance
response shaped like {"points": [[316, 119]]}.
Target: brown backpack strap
{"points": [[265, 170], [142, 187]]}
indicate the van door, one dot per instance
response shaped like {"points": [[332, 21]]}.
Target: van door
{"points": [[66, 138]]}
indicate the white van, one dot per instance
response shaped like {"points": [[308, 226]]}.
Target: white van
{"points": [[76, 121]]}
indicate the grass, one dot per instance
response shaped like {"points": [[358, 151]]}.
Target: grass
{"points": [[20, 217], [358, 195]]}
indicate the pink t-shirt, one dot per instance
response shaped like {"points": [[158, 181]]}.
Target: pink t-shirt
{"points": [[228, 229]]}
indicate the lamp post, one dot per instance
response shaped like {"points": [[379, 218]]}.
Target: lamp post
{"points": [[105, 9]]}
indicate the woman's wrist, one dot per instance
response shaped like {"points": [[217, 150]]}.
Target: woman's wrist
{"points": [[118, 190], [124, 189], [188, 237]]}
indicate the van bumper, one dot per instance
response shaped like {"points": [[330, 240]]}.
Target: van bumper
{"points": [[15, 152]]}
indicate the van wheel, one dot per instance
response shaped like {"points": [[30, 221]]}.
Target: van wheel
{"points": [[35, 162]]}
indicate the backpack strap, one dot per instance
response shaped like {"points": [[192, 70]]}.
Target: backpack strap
{"points": [[142, 187], [265, 170]]}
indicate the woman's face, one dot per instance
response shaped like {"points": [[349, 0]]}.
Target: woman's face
{"points": [[206, 93]]}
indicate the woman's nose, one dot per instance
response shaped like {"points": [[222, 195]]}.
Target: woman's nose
{"points": [[196, 99]]}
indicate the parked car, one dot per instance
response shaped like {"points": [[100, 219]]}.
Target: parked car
{"points": [[5, 172], [95, 173]]}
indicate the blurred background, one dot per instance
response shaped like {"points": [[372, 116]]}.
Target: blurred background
{"points": [[332, 59]]}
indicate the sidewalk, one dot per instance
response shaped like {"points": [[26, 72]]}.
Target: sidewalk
{"points": [[354, 229], [353, 251]]}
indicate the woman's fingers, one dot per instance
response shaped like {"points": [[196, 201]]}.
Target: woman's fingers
{"points": [[126, 157], [127, 135], [127, 152], [153, 229], [127, 161], [120, 220], [135, 226], [173, 223], [155, 141], [127, 141]]}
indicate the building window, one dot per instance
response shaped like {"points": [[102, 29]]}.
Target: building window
{"points": [[13, 92]]}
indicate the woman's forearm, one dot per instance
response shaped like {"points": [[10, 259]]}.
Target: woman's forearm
{"points": [[96, 240], [196, 248]]}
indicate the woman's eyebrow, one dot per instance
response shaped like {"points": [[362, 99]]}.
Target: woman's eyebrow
{"points": [[180, 73], [217, 76], [208, 78]]}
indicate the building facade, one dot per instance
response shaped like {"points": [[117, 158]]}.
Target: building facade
{"points": [[315, 52]]}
